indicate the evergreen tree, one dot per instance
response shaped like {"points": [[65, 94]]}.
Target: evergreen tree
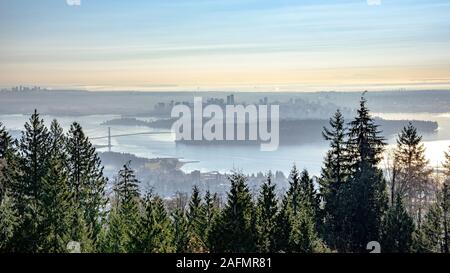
{"points": [[434, 231], [211, 210], [267, 209], [335, 172], [9, 177], [9, 221], [364, 143], [412, 174], [114, 237], [34, 150], [86, 179], [364, 195], [294, 192], [127, 192], [5, 141], [398, 229], [308, 195], [125, 214], [55, 207], [333, 176], [303, 237], [9, 162], [197, 225], [27, 191], [234, 230], [284, 226], [155, 231], [180, 231], [58, 142]]}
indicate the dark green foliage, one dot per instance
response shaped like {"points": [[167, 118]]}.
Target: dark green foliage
{"points": [[9, 162], [333, 175], [398, 228], [86, 179], [35, 154], [6, 143], [27, 190], [9, 221], [294, 191], [308, 195], [155, 233], [125, 214], [364, 196], [365, 202], [181, 234], [197, 222], [297, 220], [234, 230], [267, 209], [55, 207], [211, 210], [364, 143], [283, 228], [113, 239]]}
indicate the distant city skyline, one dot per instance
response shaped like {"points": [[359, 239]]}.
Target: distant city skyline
{"points": [[225, 45]]}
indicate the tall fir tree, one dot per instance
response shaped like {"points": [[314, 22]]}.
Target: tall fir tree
{"points": [[197, 225], [304, 237], [55, 207], [34, 149], [125, 211], [267, 209], [34, 165], [212, 210], [5, 141], [9, 162], [308, 195], [57, 143], [398, 229], [56, 203], [86, 179], [412, 173], [9, 222], [284, 226], [297, 219], [365, 193], [333, 175], [234, 231], [9, 175], [294, 192], [181, 235], [111, 238], [155, 228]]}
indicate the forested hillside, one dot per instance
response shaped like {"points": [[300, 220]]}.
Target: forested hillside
{"points": [[53, 192]]}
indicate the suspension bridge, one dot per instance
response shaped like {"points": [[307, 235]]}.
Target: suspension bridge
{"points": [[110, 136]]}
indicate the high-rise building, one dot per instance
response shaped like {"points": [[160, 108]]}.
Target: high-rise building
{"points": [[230, 100]]}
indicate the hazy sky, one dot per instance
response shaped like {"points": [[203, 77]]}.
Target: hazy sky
{"points": [[249, 45]]}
